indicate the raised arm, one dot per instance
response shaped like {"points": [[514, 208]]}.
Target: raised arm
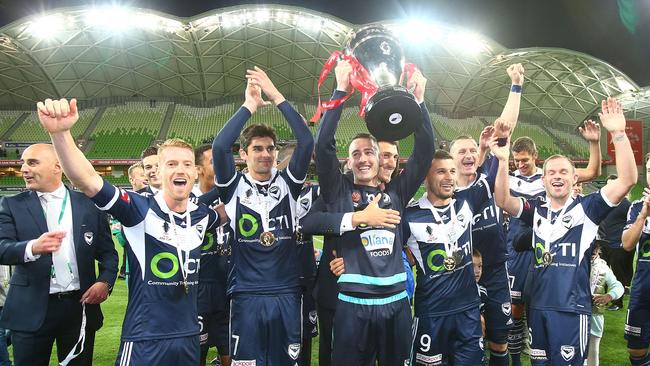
{"points": [[613, 120], [418, 164], [299, 163], [327, 164], [635, 221], [57, 118], [502, 197], [510, 112], [591, 132], [222, 159]]}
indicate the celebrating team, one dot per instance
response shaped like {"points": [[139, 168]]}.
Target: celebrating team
{"points": [[258, 220]]}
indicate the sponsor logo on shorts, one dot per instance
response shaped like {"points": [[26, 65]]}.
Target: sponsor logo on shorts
{"points": [[313, 316], [294, 350], [538, 354], [421, 359], [378, 243], [506, 308], [244, 363], [635, 331], [567, 352]]}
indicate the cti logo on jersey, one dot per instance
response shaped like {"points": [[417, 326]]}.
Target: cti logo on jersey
{"points": [[248, 224], [564, 250], [378, 243], [164, 265]]}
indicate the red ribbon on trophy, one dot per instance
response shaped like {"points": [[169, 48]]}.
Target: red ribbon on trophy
{"points": [[359, 79]]}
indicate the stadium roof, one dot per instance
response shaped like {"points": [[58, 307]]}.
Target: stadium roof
{"points": [[95, 53]]}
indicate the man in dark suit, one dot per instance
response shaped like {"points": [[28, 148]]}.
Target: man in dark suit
{"points": [[52, 236]]}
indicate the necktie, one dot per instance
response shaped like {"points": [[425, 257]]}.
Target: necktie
{"points": [[53, 211]]}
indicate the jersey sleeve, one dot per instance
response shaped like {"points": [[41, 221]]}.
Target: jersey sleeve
{"points": [[327, 164], [128, 207], [417, 166], [633, 213], [596, 206], [223, 161], [527, 212], [476, 194], [299, 163]]}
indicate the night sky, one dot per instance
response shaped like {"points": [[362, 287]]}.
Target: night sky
{"points": [[616, 31]]}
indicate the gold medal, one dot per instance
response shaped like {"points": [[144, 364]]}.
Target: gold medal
{"points": [[547, 258], [267, 239], [186, 288], [449, 263]]}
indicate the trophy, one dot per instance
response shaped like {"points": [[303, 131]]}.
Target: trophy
{"points": [[390, 110], [391, 113]]}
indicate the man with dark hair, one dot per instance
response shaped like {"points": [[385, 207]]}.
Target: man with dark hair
{"points": [[620, 260], [372, 309], [263, 283], [149, 159], [563, 230], [636, 235], [212, 300], [52, 235], [526, 182]]}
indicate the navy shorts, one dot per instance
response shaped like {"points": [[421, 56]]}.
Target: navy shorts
{"points": [[265, 329], [518, 267], [309, 315], [213, 317], [497, 309], [457, 336], [637, 326], [366, 330], [159, 352], [558, 338]]}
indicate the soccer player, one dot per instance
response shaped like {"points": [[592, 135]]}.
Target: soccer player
{"points": [[265, 322], [636, 234], [564, 227], [373, 317], [212, 301], [526, 182], [164, 233], [439, 234], [137, 178], [149, 158], [488, 234]]}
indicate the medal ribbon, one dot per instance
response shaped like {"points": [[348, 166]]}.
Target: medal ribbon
{"points": [[451, 246], [182, 260], [549, 216]]}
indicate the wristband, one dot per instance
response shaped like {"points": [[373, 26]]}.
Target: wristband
{"points": [[515, 88]]}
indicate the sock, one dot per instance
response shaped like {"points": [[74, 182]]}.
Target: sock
{"points": [[643, 361], [498, 358], [516, 341]]}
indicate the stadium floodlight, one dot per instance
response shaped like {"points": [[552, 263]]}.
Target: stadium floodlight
{"points": [[262, 15], [232, 20], [308, 22], [623, 84], [47, 26], [113, 18], [418, 31], [467, 42]]}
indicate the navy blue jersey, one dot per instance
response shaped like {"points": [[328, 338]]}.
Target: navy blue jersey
{"points": [[488, 234], [158, 305], [564, 284], [262, 207], [305, 242], [373, 256], [440, 291], [215, 246], [528, 188], [640, 294]]}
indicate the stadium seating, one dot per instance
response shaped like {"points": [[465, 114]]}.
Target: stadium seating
{"points": [[30, 129], [196, 125], [125, 130], [7, 119]]}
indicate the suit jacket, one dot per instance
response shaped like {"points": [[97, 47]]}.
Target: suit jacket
{"points": [[21, 220]]}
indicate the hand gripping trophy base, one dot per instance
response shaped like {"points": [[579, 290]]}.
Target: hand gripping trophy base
{"points": [[392, 114]]}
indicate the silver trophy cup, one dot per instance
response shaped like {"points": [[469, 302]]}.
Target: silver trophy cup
{"points": [[391, 113]]}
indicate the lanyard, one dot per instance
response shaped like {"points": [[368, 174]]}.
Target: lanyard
{"points": [[451, 243], [63, 206], [263, 202], [558, 219], [177, 241]]}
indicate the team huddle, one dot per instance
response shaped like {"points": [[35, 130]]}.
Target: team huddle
{"points": [[231, 262]]}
